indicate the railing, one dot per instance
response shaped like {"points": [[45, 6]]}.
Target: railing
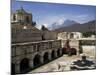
{"points": [[31, 47], [87, 42]]}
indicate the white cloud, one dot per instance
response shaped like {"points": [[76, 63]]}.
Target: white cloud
{"points": [[38, 26], [82, 16], [50, 19], [61, 21], [46, 25]]}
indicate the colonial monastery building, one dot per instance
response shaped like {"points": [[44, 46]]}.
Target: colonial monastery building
{"points": [[32, 47]]}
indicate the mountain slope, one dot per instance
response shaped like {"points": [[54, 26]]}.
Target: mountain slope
{"points": [[86, 27], [62, 23]]}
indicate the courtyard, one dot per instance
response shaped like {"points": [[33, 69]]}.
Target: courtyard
{"points": [[61, 64]]}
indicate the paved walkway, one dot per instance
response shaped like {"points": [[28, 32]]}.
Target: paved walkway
{"points": [[61, 64]]}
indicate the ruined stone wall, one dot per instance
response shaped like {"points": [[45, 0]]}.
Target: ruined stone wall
{"points": [[29, 50], [69, 35], [49, 35], [89, 50], [25, 35]]}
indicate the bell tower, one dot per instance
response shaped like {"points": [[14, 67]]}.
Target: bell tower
{"points": [[21, 16]]}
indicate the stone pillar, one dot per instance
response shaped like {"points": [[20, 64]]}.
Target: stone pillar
{"points": [[31, 65], [68, 36], [78, 52], [17, 68], [36, 47], [79, 49], [49, 56], [41, 59]]}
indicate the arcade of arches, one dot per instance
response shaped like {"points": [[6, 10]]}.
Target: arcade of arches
{"points": [[39, 59], [36, 60], [24, 65]]}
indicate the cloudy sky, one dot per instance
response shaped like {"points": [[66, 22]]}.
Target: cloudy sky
{"points": [[47, 13]]}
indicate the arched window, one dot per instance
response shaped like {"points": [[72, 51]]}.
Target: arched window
{"points": [[46, 57], [27, 19], [43, 38], [14, 17], [36, 60], [71, 35]]}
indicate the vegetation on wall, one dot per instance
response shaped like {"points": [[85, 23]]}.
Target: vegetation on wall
{"points": [[88, 34]]}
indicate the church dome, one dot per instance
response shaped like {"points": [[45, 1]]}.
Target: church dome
{"points": [[21, 11]]}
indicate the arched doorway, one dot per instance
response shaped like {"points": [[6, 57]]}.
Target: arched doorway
{"points": [[43, 38], [12, 68], [73, 51], [53, 54], [46, 57], [58, 52], [27, 19], [36, 60], [24, 65]]}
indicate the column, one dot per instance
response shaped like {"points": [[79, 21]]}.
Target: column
{"points": [[49, 56], [41, 59], [31, 63], [17, 68], [36, 47], [78, 52]]}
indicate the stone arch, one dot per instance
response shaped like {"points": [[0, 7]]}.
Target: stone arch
{"points": [[53, 54], [12, 68], [73, 51], [24, 65], [36, 60], [46, 57], [58, 52], [72, 35]]}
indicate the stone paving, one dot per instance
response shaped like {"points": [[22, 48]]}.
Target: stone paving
{"points": [[61, 64]]}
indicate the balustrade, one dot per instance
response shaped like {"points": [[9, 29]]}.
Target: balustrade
{"points": [[31, 47]]}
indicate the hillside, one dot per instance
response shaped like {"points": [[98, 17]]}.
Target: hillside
{"points": [[86, 27]]}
